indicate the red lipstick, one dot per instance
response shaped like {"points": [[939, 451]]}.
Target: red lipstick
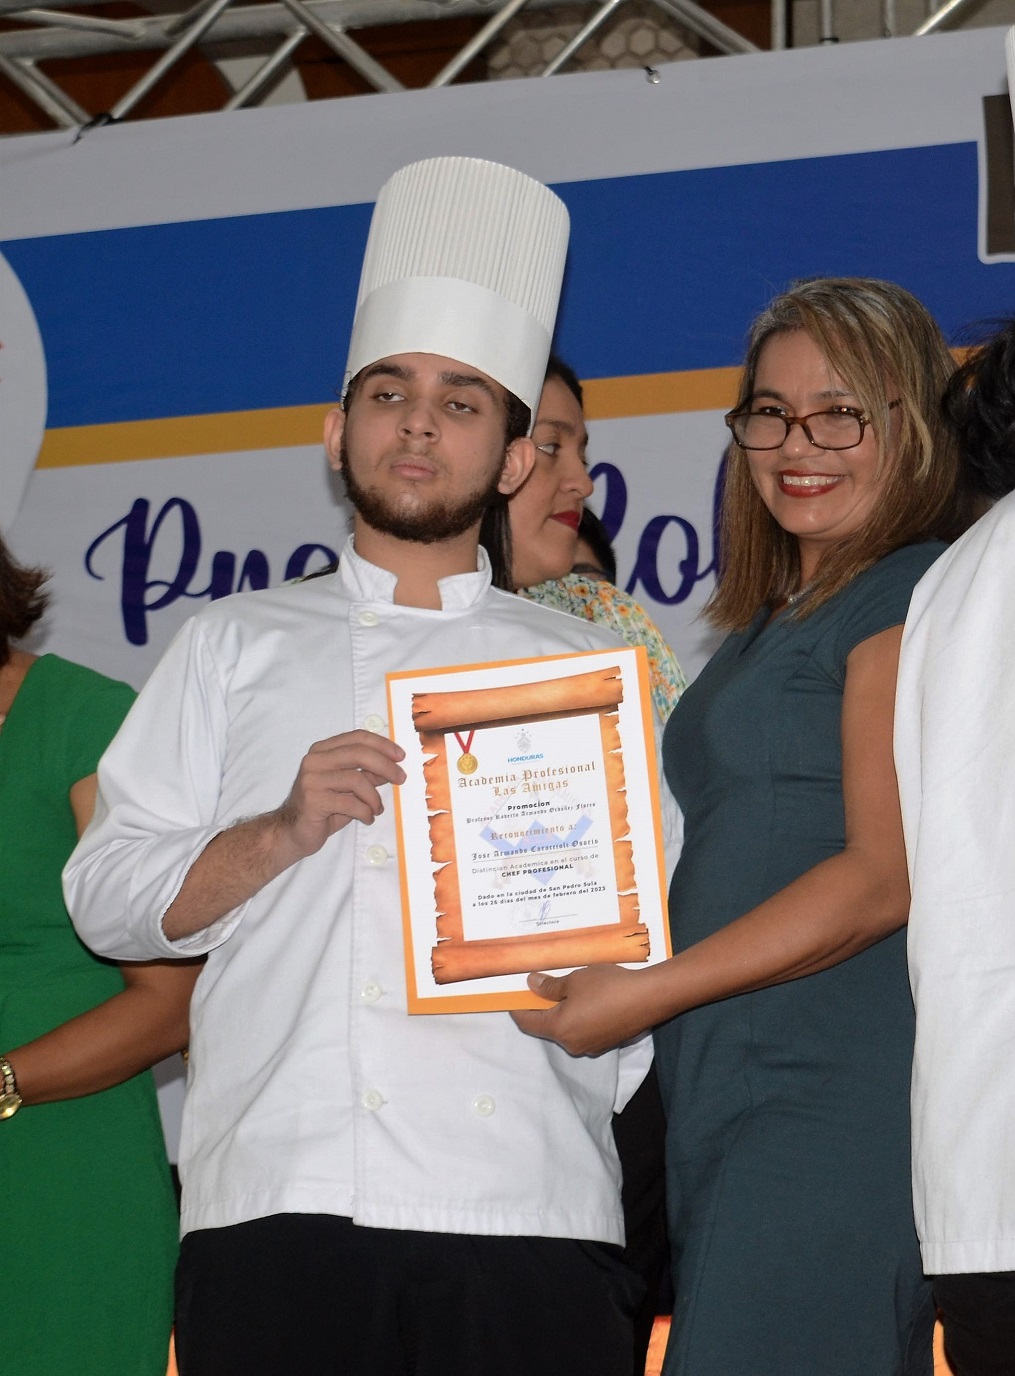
{"points": [[796, 484]]}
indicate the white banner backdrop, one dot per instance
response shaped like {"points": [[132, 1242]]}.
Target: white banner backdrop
{"points": [[176, 299]]}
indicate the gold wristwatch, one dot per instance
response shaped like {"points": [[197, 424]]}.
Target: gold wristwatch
{"points": [[10, 1099]]}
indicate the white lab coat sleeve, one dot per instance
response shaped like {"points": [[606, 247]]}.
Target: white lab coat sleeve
{"points": [[673, 828], [156, 811], [635, 1059], [955, 758]]}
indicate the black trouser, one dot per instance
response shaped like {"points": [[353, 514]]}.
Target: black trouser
{"points": [[314, 1295], [640, 1134], [978, 1317]]}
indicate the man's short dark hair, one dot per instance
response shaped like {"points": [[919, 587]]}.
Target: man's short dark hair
{"points": [[980, 404], [518, 418]]}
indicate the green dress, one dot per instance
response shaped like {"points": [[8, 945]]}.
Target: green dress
{"points": [[788, 1154], [87, 1213]]}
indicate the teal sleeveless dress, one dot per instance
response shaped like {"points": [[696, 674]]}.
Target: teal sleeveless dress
{"points": [[788, 1148]]}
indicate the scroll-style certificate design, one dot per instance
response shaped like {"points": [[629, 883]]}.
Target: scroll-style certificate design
{"points": [[529, 833]]}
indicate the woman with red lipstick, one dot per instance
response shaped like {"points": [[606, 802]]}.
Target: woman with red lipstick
{"points": [[784, 1024], [533, 537]]}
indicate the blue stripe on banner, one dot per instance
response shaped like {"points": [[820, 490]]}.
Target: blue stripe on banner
{"points": [[665, 273], [713, 246], [201, 316]]}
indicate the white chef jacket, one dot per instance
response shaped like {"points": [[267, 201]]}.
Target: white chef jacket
{"points": [[955, 756], [310, 1088]]}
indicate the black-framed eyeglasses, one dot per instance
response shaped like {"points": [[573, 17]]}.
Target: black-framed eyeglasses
{"points": [[840, 427]]}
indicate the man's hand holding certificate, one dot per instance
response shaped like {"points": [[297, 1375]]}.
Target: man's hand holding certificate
{"points": [[529, 825]]}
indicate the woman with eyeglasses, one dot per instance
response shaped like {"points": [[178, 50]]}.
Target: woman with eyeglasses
{"points": [[784, 1024]]}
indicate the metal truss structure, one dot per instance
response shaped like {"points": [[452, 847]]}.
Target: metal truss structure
{"points": [[276, 29]]}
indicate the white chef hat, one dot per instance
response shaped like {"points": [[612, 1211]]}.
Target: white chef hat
{"points": [[465, 259]]}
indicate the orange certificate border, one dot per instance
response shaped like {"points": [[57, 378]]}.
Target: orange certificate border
{"points": [[455, 958], [522, 998]]}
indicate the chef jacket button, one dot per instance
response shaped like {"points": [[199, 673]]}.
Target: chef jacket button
{"points": [[368, 618], [373, 1099], [376, 855], [374, 722], [370, 992], [484, 1105]]}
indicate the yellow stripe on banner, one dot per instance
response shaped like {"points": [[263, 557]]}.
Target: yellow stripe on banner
{"points": [[660, 394], [656, 394], [230, 432], [180, 436]]}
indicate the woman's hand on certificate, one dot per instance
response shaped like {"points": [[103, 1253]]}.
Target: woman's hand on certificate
{"points": [[595, 1008]]}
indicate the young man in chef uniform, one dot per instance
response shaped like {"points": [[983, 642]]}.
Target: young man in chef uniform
{"points": [[366, 1192]]}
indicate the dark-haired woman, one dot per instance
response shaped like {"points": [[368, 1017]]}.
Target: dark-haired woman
{"points": [[784, 1022], [88, 1232], [532, 537]]}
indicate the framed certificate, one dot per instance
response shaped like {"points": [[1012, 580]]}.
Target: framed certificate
{"points": [[528, 825]]}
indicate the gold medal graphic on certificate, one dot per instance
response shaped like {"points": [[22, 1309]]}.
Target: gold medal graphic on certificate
{"points": [[467, 762]]}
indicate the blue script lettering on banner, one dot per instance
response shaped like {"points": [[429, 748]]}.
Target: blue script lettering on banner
{"points": [[140, 594], [646, 571], [139, 544], [614, 498]]}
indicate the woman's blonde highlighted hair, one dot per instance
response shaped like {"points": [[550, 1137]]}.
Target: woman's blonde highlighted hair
{"points": [[890, 353]]}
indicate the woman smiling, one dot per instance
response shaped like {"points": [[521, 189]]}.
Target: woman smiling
{"points": [[784, 1021]]}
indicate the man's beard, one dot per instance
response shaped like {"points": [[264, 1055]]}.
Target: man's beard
{"points": [[429, 524]]}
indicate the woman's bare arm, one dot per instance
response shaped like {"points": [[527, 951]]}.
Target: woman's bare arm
{"points": [[116, 1039], [113, 1041], [833, 911]]}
